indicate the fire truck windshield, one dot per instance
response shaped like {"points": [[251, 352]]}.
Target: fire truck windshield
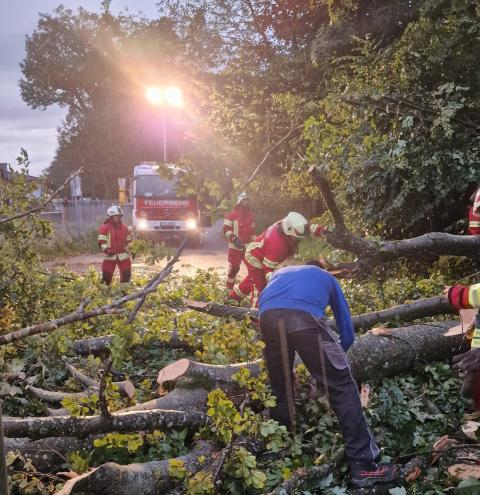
{"points": [[155, 186]]}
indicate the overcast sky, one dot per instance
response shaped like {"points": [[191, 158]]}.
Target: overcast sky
{"points": [[20, 126]]}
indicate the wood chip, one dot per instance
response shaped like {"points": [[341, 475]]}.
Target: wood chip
{"points": [[365, 394], [467, 318], [380, 331], [470, 429], [413, 475], [464, 471]]}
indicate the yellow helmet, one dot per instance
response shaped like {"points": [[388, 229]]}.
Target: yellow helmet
{"points": [[295, 225]]}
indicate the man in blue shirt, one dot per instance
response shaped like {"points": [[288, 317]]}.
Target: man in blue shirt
{"points": [[293, 303]]}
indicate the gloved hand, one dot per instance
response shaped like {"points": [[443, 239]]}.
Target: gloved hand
{"points": [[318, 230], [109, 252], [237, 242], [468, 361]]}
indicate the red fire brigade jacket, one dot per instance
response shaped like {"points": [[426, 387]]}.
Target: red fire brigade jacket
{"points": [[240, 222], [114, 239], [272, 247], [473, 222]]}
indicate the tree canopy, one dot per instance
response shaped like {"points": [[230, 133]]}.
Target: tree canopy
{"points": [[387, 91]]}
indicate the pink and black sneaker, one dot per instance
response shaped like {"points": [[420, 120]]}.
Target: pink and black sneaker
{"points": [[369, 474]]}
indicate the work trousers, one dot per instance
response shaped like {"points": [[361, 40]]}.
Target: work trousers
{"points": [[326, 361], [108, 268], [253, 284], [235, 258]]}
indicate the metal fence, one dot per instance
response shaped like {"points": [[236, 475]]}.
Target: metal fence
{"points": [[78, 218]]}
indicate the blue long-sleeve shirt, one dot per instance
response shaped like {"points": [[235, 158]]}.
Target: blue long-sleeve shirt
{"points": [[310, 289]]}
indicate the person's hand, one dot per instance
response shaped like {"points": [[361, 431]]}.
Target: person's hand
{"points": [[446, 289], [468, 361], [109, 252], [237, 242]]}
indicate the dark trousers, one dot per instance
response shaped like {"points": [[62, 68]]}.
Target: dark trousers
{"points": [[327, 363]]}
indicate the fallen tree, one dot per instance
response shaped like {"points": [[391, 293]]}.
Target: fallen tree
{"points": [[415, 310], [63, 426], [371, 253], [98, 346], [149, 478], [373, 356], [114, 307]]}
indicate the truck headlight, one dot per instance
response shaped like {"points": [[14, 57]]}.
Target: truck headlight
{"points": [[142, 224], [191, 224]]}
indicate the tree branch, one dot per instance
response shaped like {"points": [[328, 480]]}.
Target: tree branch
{"points": [[42, 205], [373, 252], [112, 308], [61, 426]]}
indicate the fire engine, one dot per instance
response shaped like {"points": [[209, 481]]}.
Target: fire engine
{"points": [[158, 211]]}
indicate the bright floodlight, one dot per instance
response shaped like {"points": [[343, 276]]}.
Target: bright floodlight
{"points": [[173, 96], [155, 95]]}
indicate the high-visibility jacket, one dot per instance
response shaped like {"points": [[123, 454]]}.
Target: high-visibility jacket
{"points": [[467, 297], [272, 247], [113, 238], [240, 222], [473, 221]]}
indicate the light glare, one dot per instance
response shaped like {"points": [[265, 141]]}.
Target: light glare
{"points": [[154, 95], [173, 96]]}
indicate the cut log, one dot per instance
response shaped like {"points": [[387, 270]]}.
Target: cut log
{"points": [[187, 374], [179, 399], [126, 387], [99, 345], [422, 308], [62, 426], [150, 478], [48, 454]]}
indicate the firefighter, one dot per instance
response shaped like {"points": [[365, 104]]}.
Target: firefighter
{"points": [[293, 304], [113, 238], [269, 249], [474, 214], [465, 297], [239, 230]]}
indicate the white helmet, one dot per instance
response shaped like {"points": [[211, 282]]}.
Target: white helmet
{"points": [[114, 210], [295, 225], [241, 197]]}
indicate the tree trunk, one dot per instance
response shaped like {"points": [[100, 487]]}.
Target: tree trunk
{"points": [[179, 399], [422, 308], [62, 426], [399, 350], [99, 345], [188, 373], [150, 478], [48, 454]]}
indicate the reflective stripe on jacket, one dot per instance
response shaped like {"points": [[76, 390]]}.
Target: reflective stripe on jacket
{"points": [[269, 249], [240, 222], [115, 237], [473, 221]]}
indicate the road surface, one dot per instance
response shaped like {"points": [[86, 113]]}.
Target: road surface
{"points": [[211, 254]]}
